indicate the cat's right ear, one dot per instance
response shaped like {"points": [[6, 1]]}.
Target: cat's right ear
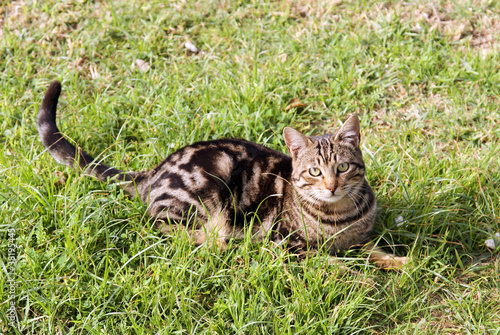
{"points": [[295, 141]]}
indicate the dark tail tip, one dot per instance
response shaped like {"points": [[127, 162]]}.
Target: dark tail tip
{"points": [[49, 104]]}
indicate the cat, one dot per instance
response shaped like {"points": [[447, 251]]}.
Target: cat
{"points": [[316, 197]]}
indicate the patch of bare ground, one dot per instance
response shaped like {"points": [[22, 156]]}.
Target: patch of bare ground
{"points": [[311, 8], [311, 12], [61, 31], [474, 24], [20, 16]]}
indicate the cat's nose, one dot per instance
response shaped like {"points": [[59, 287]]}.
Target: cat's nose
{"points": [[331, 187]]}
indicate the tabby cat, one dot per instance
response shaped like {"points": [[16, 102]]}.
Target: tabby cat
{"points": [[316, 197]]}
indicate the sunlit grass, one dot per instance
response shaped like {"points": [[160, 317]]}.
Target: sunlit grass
{"points": [[423, 77]]}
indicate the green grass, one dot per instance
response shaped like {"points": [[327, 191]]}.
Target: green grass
{"points": [[426, 89]]}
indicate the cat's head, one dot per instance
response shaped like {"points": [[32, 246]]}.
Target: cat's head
{"points": [[329, 167]]}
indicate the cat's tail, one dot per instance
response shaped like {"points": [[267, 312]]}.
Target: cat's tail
{"points": [[66, 153]]}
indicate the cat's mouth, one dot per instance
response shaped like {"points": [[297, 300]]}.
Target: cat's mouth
{"points": [[331, 198], [328, 196]]}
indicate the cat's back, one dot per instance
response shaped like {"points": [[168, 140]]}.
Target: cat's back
{"points": [[217, 170], [223, 156]]}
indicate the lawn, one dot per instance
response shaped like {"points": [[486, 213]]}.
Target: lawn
{"points": [[78, 256]]}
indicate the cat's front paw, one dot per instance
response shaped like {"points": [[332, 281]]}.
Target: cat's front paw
{"points": [[390, 262], [396, 263], [401, 261]]}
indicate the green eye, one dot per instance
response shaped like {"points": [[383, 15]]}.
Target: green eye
{"points": [[314, 172], [343, 167]]}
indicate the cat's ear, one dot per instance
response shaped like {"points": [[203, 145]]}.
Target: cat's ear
{"points": [[349, 132], [294, 140]]}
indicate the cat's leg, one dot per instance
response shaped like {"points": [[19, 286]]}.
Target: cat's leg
{"points": [[383, 259], [216, 230], [166, 228]]}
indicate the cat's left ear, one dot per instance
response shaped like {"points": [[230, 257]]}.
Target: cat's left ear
{"points": [[349, 132], [295, 141]]}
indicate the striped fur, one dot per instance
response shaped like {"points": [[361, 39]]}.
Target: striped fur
{"points": [[318, 196]]}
